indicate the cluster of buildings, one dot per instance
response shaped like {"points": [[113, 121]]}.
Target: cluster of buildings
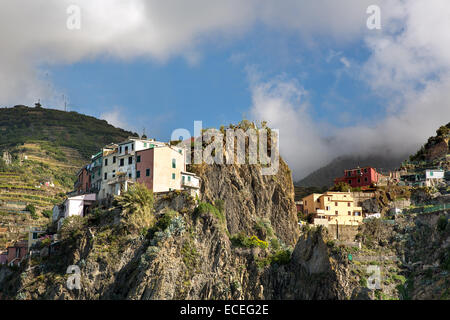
{"points": [[332, 208], [340, 208], [159, 166], [367, 177], [18, 251], [427, 178]]}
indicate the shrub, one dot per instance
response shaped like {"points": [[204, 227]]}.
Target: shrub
{"points": [[205, 207], [72, 227], [32, 210], [47, 213], [282, 257], [264, 226], [442, 223], [220, 205], [137, 207], [165, 220], [241, 240], [341, 187]]}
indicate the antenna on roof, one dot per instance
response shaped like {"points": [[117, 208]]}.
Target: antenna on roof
{"points": [[65, 102], [143, 134]]}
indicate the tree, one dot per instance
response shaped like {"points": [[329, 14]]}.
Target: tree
{"points": [[32, 210], [137, 207], [341, 187]]}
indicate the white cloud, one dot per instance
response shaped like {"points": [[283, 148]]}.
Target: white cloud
{"points": [[345, 62], [282, 102], [34, 33], [409, 68], [116, 118]]}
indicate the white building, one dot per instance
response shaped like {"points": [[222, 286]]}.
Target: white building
{"points": [[73, 206], [433, 175]]}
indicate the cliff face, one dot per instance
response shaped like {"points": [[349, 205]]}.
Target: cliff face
{"points": [[247, 246], [249, 196]]}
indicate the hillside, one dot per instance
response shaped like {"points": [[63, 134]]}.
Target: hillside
{"points": [[325, 175], [241, 241], [83, 133], [40, 152]]}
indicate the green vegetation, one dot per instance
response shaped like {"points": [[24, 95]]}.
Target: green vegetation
{"points": [[47, 213], [32, 210], [205, 207], [241, 240], [137, 207], [441, 133], [442, 223], [72, 228], [301, 192], [69, 129]]}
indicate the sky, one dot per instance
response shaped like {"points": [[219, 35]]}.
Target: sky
{"points": [[312, 69]]}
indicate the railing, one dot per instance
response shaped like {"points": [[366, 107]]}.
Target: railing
{"points": [[427, 209]]}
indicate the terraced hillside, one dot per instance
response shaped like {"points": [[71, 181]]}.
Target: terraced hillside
{"points": [[86, 134], [40, 152], [29, 186]]}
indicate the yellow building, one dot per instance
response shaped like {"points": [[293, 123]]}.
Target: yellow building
{"points": [[333, 208]]}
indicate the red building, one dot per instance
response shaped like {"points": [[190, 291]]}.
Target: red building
{"points": [[359, 177], [83, 183], [17, 252]]}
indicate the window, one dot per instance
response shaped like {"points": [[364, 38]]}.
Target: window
{"points": [[106, 175], [138, 174], [130, 160], [349, 181], [114, 159], [336, 204], [336, 212], [174, 163], [147, 172], [126, 150], [120, 149], [129, 175], [359, 180], [349, 213], [182, 178], [348, 204], [106, 162], [306, 202], [173, 176], [365, 179], [180, 151], [121, 162], [365, 170], [145, 144], [327, 208], [189, 178], [132, 147], [138, 159]]}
